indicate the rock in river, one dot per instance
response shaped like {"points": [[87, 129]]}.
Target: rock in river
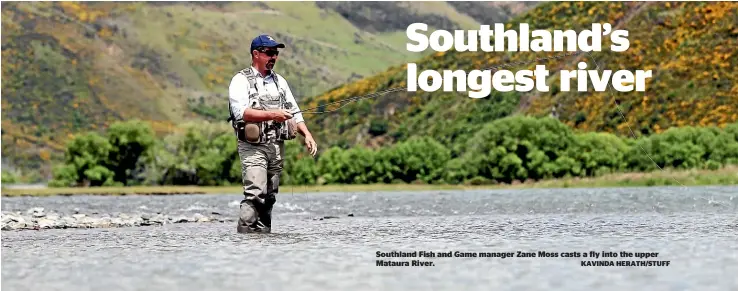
{"points": [[38, 218]]}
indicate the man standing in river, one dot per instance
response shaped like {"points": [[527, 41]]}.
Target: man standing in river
{"points": [[261, 106]]}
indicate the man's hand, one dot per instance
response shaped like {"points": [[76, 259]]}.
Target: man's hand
{"points": [[310, 144], [281, 115]]}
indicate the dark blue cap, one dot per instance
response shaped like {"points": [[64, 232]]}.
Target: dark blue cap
{"points": [[265, 40]]}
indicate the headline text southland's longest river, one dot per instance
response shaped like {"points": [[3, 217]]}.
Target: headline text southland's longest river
{"points": [[695, 229], [511, 40]]}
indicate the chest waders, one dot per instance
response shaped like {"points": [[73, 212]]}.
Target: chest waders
{"points": [[262, 132]]}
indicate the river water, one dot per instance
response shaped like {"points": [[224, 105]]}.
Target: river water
{"points": [[694, 229]]}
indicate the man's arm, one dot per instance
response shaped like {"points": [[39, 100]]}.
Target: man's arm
{"points": [[256, 115], [301, 127], [238, 93], [312, 147]]}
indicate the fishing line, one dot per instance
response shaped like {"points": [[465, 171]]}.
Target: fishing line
{"points": [[617, 106]]}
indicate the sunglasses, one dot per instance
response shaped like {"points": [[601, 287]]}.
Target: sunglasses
{"points": [[270, 53]]}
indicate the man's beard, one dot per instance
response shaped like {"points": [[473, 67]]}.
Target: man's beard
{"points": [[269, 65]]}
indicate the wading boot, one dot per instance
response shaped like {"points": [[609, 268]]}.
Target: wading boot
{"points": [[248, 219], [265, 212]]}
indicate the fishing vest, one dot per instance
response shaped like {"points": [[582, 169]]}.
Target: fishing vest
{"points": [[263, 131]]}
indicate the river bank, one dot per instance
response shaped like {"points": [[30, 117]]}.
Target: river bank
{"points": [[725, 176]]}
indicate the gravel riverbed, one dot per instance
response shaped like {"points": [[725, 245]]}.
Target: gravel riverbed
{"points": [[37, 218]]}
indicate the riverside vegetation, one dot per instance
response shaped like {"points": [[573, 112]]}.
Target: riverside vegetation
{"points": [[510, 149]]}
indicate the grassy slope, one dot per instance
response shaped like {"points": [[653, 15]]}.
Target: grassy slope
{"points": [[70, 67], [690, 46]]}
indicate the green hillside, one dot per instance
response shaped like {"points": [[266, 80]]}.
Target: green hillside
{"points": [[690, 46], [71, 67]]}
